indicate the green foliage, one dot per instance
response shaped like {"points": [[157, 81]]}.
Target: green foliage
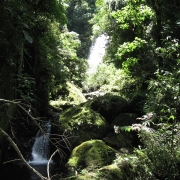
{"points": [[37, 51], [126, 51], [65, 64], [79, 14], [159, 158], [25, 87], [134, 15], [126, 128], [27, 47], [104, 75], [163, 98], [108, 78], [162, 149], [100, 19], [128, 25]]}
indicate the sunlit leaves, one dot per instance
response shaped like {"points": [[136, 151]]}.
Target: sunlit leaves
{"points": [[128, 47], [133, 14], [164, 95], [125, 51]]}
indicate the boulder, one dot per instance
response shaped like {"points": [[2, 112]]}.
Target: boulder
{"points": [[82, 124], [90, 155], [109, 106], [93, 160]]}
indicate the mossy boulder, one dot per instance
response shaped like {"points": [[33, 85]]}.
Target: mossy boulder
{"points": [[83, 124], [91, 155], [109, 106]]}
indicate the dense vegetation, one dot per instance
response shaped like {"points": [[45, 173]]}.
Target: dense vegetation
{"points": [[44, 44]]}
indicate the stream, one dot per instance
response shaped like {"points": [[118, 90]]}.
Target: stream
{"points": [[41, 151]]}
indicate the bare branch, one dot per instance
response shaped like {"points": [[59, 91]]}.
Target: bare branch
{"points": [[49, 163], [12, 161]]}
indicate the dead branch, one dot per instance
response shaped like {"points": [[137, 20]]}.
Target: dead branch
{"points": [[49, 163]]}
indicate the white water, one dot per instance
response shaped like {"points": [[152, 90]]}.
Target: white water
{"points": [[40, 149], [97, 51]]}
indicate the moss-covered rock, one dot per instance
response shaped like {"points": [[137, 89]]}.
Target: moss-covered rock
{"points": [[91, 155], [83, 123], [110, 172], [109, 106]]}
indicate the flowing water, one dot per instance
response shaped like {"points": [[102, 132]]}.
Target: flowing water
{"points": [[40, 151], [97, 51]]}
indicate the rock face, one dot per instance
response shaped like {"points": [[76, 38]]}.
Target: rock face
{"points": [[82, 123]]}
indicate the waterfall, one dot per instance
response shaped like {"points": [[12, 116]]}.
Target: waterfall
{"points": [[40, 149], [97, 51]]}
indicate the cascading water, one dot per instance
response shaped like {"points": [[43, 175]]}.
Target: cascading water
{"points": [[40, 149], [97, 52]]}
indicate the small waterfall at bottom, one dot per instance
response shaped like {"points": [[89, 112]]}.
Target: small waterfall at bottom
{"points": [[40, 151]]}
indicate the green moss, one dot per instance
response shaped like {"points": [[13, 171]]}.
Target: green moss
{"points": [[110, 172], [87, 176], [73, 96], [83, 122], [92, 154]]}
